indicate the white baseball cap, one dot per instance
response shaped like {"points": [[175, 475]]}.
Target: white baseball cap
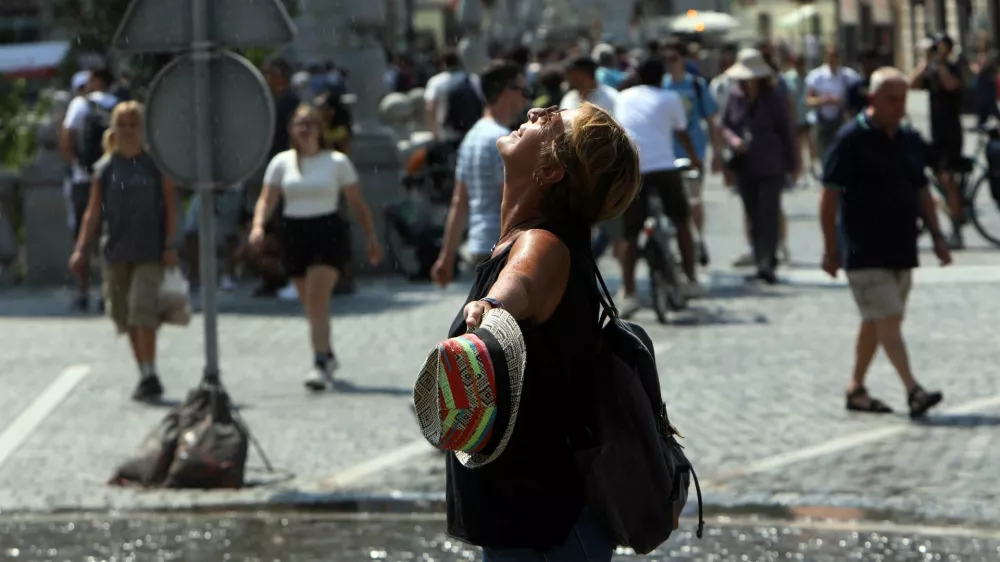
{"points": [[80, 79]]}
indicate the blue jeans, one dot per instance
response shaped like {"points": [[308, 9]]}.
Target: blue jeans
{"points": [[587, 542]]}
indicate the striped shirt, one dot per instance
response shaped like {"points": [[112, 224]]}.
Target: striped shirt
{"points": [[480, 168]]}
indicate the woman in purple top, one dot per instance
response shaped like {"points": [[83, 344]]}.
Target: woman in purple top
{"points": [[757, 129]]}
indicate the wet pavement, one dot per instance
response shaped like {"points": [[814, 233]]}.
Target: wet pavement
{"points": [[306, 538]]}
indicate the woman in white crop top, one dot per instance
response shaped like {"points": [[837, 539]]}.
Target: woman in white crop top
{"points": [[316, 237]]}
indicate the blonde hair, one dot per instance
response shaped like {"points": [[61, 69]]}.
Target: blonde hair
{"points": [[110, 140], [601, 169]]}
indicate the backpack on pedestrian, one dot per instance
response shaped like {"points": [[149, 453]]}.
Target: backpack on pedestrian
{"points": [[465, 107], [90, 137], [635, 473]]}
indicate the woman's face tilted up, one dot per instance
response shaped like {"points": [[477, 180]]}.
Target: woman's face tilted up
{"points": [[522, 149]]}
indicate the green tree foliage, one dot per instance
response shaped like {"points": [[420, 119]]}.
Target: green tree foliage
{"points": [[17, 125]]}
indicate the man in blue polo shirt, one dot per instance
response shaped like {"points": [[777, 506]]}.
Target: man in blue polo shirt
{"points": [[875, 193]]}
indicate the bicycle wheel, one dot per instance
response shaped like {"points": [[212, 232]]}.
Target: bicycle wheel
{"points": [[985, 211], [664, 286]]}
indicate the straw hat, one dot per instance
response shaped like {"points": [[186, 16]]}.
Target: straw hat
{"points": [[750, 65], [469, 389]]}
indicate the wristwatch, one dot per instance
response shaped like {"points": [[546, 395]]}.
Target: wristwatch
{"points": [[495, 303]]}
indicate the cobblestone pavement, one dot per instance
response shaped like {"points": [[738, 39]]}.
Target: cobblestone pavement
{"points": [[304, 539], [753, 377]]}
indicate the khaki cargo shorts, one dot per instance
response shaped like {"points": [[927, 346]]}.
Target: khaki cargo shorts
{"points": [[880, 293], [132, 294]]}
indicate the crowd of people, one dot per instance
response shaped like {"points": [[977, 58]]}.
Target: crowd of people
{"points": [[762, 121], [532, 187]]}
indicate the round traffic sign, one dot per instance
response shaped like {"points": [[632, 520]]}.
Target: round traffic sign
{"points": [[241, 112]]}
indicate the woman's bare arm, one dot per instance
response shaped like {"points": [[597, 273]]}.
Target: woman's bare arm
{"points": [[91, 217], [533, 282], [269, 197], [352, 193]]}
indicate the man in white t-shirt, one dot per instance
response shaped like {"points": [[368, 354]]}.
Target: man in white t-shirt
{"points": [[581, 75], [436, 95], [654, 117], [826, 93], [70, 147]]}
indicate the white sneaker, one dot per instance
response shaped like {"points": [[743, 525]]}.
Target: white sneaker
{"points": [[627, 306], [227, 283], [316, 380], [289, 293], [320, 379], [694, 290]]}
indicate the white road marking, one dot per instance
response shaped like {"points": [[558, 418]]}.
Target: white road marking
{"points": [[394, 458], [851, 441], [19, 431]]}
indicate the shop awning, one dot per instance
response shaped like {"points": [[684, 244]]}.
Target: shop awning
{"points": [[32, 59]]}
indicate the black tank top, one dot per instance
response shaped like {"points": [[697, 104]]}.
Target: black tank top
{"points": [[532, 495]]}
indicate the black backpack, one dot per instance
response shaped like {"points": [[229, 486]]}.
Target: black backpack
{"points": [[465, 107], [202, 443], [635, 472], [90, 137]]}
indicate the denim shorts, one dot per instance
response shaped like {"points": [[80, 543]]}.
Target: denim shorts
{"points": [[587, 542]]}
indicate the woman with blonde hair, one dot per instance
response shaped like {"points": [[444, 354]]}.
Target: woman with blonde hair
{"points": [[564, 171], [311, 180], [137, 202]]}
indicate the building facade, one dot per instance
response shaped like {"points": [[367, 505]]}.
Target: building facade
{"points": [[966, 21]]}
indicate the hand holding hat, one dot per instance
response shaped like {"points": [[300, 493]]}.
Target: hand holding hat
{"points": [[468, 391]]}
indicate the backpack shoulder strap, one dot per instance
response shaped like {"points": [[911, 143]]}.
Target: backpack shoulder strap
{"points": [[699, 92]]}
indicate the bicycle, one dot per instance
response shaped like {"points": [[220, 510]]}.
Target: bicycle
{"points": [[973, 209], [656, 242]]}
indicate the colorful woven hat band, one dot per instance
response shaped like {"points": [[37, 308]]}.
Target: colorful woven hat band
{"points": [[468, 403]]}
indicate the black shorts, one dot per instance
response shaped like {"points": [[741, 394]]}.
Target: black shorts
{"points": [[79, 196], [323, 240], [669, 187], [946, 155]]}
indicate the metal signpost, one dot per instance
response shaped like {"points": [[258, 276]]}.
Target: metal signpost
{"points": [[210, 116]]}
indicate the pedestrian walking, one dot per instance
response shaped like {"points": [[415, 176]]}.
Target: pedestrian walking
{"points": [[80, 145], [518, 493], [310, 179], [942, 76], [758, 130], [874, 193], [827, 88], [479, 174], [702, 129], [138, 203]]}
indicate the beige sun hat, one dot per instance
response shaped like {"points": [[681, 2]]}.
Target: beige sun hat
{"points": [[750, 65]]}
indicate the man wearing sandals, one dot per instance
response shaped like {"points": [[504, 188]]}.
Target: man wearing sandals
{"points": [[875, 192]]}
